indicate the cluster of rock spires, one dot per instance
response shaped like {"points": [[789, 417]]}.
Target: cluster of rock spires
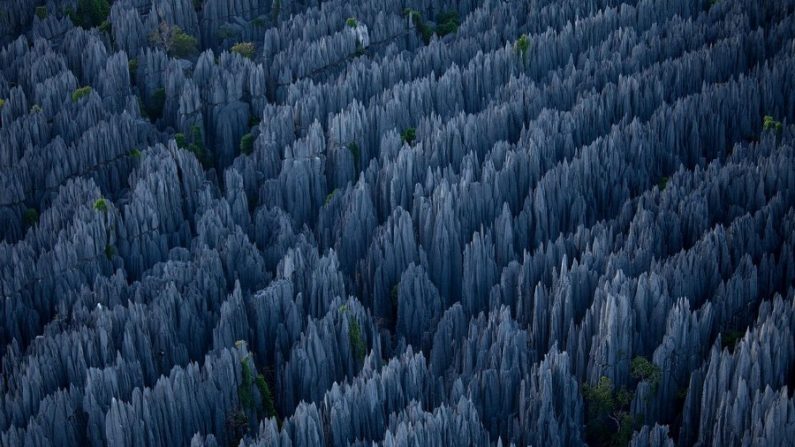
{"points": [[397, 223]]}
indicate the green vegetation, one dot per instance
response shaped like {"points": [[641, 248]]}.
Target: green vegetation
{"points": [[132, 66], [179, 138], [226, 32], [730, 338], [393, 297], [352, 22], [41, 12], [182, 44], [608, 421], [447, 23], [277, 9], [245, 392], [355, 338], [80, 93], [416, 18], [90, 13], [30, 217], [245, 49], [330, 196], [174, 40], [196, 145], [522, 44], [106, 27], [642, 369], [662, 183], [769, 123], [357, 155], [259, 22], [247, 144], [135, 153], [101, 205], [266, 396], [155, 108], [409, 135], [2, 102]]}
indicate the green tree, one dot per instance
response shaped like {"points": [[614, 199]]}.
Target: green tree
{"points": [[101, 205], [247, 144], [174, 40], [330, 196], [352, 22], [447, 23], [357, 155], [355, 339], [30, 217], [642, 369], [409, 135], [245, 49], [182, 44], [155, 108], [90, 13], [608, 421], [522, 45], [770, 124], [80, 93]]}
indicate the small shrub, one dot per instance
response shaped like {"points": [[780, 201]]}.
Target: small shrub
{"points": [[174, 40], [770, 124], [101, 205], [447, 23], [730, 339], [2, 102], [393, 295], [132, 66], [41, 12], [409, 135], [226, 32], [106, 27], [179, 138], [357, 155], [608, 421], [416, 18], [352, 22], [522, 44], [245, 49], [30, 217], [156, 104], [182, 44], [80, 93], [357, 345], [90, 13], [642, 369], [247, 144], [330, 196], [259, 22], [135, 153], [268, 409], [244, 391]]}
